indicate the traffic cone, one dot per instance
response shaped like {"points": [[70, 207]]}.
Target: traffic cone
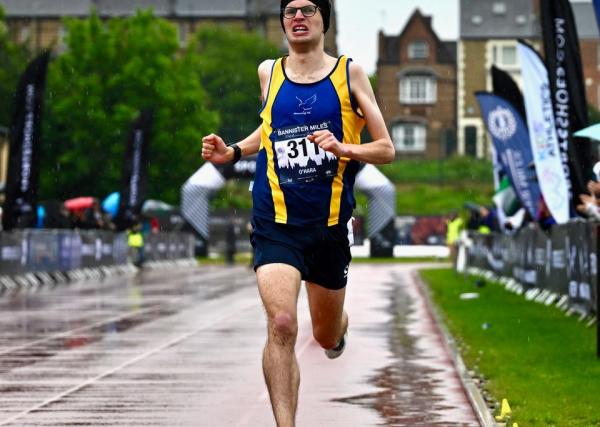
{"points": [[504, 410]]}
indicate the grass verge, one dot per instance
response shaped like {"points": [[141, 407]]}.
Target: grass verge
{"points": [[543, 362]]}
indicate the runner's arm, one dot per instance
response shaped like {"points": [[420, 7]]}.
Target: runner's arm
{"points": [[381, 150], [214, 148]]}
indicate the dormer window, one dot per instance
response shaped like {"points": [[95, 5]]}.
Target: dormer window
{"points": [[418, 50], [499, 8]]}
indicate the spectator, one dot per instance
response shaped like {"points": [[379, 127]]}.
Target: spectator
{"points": [[455, 226], [92, 217], [482, 219], [135, 241]]}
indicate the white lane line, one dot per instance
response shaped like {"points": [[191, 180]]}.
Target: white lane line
{"points": [[100, 322], [130, 362]]}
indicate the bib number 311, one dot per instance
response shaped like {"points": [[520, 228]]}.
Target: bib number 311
{"points": [[300, 160]]}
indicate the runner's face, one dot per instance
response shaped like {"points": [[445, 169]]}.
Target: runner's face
{"points": [[300, 28]]}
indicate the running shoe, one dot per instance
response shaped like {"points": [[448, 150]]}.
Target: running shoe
{"points": [[334, 353]]}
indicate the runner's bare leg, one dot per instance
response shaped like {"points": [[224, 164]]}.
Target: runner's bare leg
{"points": [[329, 320], [279, 285]]}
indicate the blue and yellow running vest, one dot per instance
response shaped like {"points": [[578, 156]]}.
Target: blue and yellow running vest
{"points": [[297, 182]]}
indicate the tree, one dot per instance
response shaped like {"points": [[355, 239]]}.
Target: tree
{"points": [[228, 64], [13, 59], [108, 73]]}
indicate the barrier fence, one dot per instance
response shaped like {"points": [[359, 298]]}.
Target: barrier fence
{"points": [[32, 251], [563, 260]]}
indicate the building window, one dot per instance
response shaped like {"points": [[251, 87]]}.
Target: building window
{"points": [[521, 19], [505, 56], [499, 8], [418, 90], [183, 33], [471, 141], [476, 20], [61, 46], [24, 34], [409, 136], [418, 50]]}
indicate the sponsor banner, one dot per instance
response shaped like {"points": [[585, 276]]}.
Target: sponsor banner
{"points": [[14, 248], [43, 251], [597, 10], [19, 210], [563, 59], [552, 173], [564, 261], [69, 248], [510, 137], [242, 169], [505, 87], [32, 251], [91, 249], [135, 171], [119, 248]]}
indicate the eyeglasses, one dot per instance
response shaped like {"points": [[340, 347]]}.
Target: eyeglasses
{"points": [[307, 11]]}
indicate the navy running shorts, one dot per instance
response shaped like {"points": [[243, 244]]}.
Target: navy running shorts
{"points": [[320, 253]]}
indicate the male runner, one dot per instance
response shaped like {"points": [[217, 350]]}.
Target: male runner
{"points": [[314, 108]]}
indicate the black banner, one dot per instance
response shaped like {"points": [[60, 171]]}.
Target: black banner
{"points": [[505, 87], [563, 59], [19, 209], [135, 171]]}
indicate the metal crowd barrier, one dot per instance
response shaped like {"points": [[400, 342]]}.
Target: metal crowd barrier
{"points": [[35, 251], [563, 260]]}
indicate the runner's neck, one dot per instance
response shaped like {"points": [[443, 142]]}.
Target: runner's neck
{"points": [[308, 67]]}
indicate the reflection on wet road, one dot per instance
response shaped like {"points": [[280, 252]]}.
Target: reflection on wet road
{"points": [[182, 347]]}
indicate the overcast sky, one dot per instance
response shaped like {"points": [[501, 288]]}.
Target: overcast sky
{"points": [[359, 22]]}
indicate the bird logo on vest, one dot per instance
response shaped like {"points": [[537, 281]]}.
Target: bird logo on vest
{"points": [[306, 105]]}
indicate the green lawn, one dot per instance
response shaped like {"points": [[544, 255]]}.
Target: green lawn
{"points": [[440, 172], [543, 362]]}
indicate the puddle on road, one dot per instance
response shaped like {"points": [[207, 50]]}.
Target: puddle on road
{"points": [[410, 393]]}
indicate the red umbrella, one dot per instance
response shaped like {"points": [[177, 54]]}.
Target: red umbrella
{"points": [[79, 203]]}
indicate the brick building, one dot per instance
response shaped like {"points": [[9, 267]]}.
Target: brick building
{"points": [[39, 23], [488, 35], [416, 89]]}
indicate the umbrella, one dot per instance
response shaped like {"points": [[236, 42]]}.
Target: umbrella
{"points": [[111, 203], [79, 203], [151, 205], [592, 132]]}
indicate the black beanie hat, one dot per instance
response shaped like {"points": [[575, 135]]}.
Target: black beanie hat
{"points": [[323, 5]]}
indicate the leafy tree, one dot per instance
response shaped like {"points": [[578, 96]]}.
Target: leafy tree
{"points": [[228, 64], [13, 59], [108, 73]]}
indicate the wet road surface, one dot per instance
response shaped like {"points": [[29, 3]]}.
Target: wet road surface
{"points": [[182, 347]]}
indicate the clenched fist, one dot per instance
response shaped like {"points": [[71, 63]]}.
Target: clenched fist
{"points": [[215, 151]]}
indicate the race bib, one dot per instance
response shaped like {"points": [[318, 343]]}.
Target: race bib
{"points": [[300, 160]]}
